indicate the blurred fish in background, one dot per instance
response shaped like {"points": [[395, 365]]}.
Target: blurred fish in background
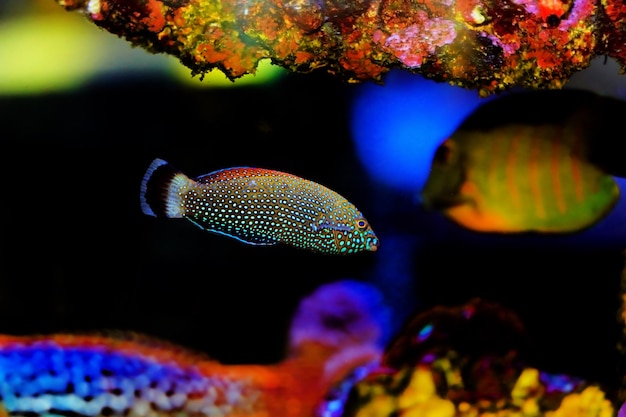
{"points": [[337, 333], [537, 161]]}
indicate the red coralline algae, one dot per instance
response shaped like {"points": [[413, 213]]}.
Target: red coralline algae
{"points": [[155, 20], [487, 45]]}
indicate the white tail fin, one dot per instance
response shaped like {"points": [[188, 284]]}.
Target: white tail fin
{"points": [[161, 185]]}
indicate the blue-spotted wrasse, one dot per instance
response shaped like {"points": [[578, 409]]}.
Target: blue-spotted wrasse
{"points": [[258, 206], [125, 374], [534, 161]]}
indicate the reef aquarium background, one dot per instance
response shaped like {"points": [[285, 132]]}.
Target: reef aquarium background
{"points": [[83, 113]]}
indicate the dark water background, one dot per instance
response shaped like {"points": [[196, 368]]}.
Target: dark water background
{"points": [[77, 254]]}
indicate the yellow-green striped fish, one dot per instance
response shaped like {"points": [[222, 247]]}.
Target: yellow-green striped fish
{"points": [[258, 206], [538, 161]]}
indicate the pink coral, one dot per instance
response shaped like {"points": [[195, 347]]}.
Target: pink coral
{"points": [[411, 45]]}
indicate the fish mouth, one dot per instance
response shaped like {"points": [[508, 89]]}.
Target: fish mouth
{"points": [[372, 244]]}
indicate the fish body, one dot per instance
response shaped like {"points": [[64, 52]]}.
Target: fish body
{"points": [[68, 375], [531, 162], [126, 374], [260, 207]]}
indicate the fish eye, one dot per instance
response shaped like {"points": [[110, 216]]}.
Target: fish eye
{"points": [[443, 153], [361, 224]]}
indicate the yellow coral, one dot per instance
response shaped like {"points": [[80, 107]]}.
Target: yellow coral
{"points": [[525, 392], [379, 406], [589, 403], [420, 398]]}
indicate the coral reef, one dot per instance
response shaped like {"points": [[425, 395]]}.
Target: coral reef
{"points": [[488, 45], [469, 361]]}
